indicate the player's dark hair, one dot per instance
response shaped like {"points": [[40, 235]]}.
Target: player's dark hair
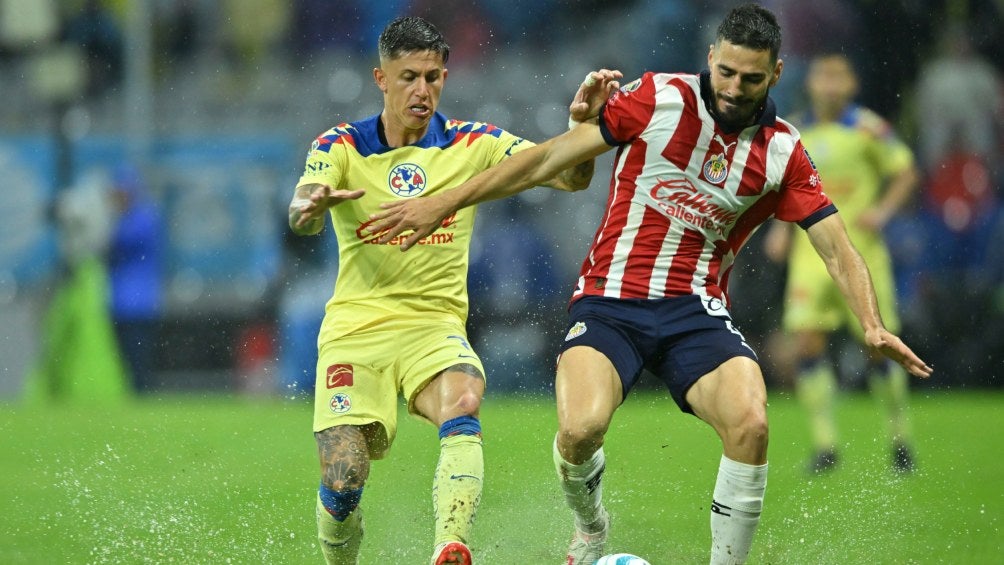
{"points": [[411, 33], [752, 26]]}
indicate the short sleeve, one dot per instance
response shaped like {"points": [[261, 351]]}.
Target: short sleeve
{"points": [[322, 163], [802, 197], [628, 112], [507, 146]]}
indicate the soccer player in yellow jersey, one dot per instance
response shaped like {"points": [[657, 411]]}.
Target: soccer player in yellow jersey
{"points": [[869, 174], [396, 322]]}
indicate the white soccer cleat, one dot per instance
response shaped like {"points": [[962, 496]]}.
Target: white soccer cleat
{"points": [[587, 548], [451, 553]]}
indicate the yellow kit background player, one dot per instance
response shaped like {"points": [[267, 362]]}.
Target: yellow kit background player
{"points": [[396, 322], [869, 174]]}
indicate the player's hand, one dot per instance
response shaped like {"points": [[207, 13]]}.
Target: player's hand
{"points": [[872, 220], [423, 215], [777, 242], [317, 203], [892, 347], [592, 93]]}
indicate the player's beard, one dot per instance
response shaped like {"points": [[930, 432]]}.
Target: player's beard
{"points": [[740, 117]]}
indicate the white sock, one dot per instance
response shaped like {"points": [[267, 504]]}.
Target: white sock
{"points": [[735, 511], [583, 488]]}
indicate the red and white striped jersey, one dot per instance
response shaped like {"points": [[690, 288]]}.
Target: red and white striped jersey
{"points": [[685, 194]]}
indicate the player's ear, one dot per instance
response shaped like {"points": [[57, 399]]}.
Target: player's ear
{"points": [[380, 78], [778, 67], [711, 54], [445, 72]]}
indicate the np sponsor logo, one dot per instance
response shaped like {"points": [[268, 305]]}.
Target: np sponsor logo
{"points": [[577, 329], [317, 166], [340, 374], [340, 403], [407, 179], [679, 198], [436, 238]]}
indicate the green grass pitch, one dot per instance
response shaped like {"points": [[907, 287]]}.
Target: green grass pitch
{"points": [[224, 480]]}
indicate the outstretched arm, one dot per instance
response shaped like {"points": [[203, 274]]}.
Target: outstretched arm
{"points": [[523, 170], [848, 269], [594, 90], [311, 202]]}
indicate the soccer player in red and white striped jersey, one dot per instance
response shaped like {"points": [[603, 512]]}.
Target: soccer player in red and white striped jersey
{"points": [[702, 160]]}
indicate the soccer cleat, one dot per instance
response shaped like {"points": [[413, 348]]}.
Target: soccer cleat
{"points": [[587, 548], [451, 553], [823, 461], [902, 458]]}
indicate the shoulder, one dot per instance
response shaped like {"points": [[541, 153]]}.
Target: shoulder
{"points": [[870, 123], [354, 134], [460, 129]]}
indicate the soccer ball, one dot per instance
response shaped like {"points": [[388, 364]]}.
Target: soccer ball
{"points": [[621, 559]]}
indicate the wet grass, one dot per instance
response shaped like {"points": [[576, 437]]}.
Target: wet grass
{"points": [[224, 480]]}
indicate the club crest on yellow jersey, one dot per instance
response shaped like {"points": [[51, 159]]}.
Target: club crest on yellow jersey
{"points": [[407, 180]]}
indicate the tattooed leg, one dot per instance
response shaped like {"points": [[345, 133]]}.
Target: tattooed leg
{"points": [[345, 466]]}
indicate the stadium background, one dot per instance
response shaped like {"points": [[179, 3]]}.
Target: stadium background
{"points": [[208, 107]]}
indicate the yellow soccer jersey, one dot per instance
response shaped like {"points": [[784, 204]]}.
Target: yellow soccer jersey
{"points": [[855, 155], [377, 283]]}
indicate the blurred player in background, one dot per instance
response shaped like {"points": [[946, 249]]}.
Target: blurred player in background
{"points": [[869, 174], [702, 161], [396, 323]]}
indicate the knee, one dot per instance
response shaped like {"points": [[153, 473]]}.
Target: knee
{"points": [[580, 437], [750, 432], [469, 403], [344, 458]]}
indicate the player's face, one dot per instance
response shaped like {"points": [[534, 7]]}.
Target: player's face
{"points": [[831, 84], [740, 79], [411, 86]]}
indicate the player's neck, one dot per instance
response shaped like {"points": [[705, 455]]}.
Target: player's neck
{"points": [[392, 134], [827, 112]]}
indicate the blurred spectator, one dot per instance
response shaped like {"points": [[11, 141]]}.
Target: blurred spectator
{"points": [[135, 263], [959, 100], [79, 358]]}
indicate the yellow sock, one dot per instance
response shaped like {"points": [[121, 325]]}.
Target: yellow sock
{"points": [[816, 389], [339, 541], [456, 490], [891, 389]]}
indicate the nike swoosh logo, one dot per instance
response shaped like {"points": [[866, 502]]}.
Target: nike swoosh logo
{"points": [[467, 356], [454, 477]]}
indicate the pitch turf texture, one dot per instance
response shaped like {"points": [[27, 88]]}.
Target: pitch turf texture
{"points": [[222, 480]]}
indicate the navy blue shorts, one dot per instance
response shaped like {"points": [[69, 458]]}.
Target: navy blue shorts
{"points": [[678, 339]]}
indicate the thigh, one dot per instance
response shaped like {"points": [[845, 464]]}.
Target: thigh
{"points": [[588, 389], [699, 338], [432, 350], [612, 329], [724, 396], [354, 387]]}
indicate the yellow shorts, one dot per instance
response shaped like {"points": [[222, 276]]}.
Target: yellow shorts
{"points": [[813, 301], [360, 376]]}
